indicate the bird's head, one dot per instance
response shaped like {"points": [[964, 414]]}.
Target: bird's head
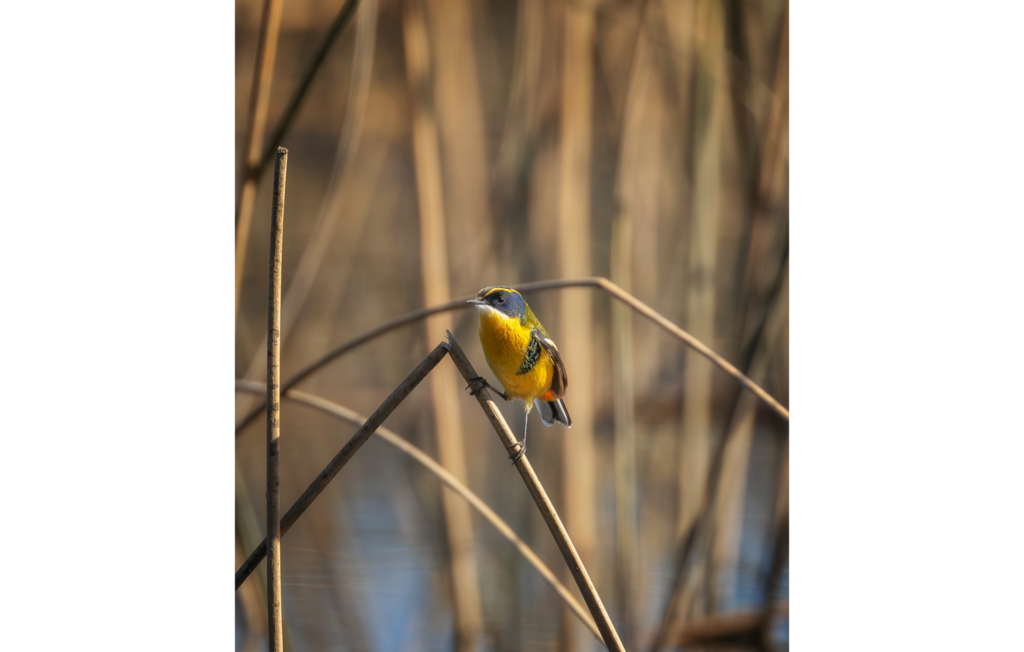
{"points": [[502, 300]]}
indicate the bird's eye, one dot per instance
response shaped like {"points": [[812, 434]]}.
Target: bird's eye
{"points": [[501, 299]]}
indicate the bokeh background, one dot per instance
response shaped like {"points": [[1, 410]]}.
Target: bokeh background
{"points": [[448, 145]]}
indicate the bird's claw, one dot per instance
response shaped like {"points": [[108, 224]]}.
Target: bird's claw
{"points": [[515, 457], [477, 384]]}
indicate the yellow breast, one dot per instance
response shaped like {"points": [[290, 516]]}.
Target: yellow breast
{"points": [[504, 341]]}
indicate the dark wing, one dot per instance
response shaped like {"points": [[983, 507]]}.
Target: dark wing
{"points": [[560, 381], [532, 355]]}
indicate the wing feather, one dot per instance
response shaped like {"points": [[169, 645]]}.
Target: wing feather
{"points": [[560, 381]]}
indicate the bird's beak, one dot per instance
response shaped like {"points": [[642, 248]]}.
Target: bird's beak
{"points": [[477, 302]]}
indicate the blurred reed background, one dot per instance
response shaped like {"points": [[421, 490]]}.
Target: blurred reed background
{"points": [[448, 145]]}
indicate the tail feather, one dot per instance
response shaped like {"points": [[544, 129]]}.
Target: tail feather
{"points": [[552, 412]]}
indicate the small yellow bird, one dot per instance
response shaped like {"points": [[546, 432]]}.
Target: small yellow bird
{"points": [[522, 356]]}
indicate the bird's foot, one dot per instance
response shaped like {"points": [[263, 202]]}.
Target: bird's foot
{"points": [[476, 385], [517, 455]]}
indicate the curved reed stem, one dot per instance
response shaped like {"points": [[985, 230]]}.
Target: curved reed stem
{"points": [[445, 477], [593, 281]]}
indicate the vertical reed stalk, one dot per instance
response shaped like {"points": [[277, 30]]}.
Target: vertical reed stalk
{"points": [[344, 179], [284, 123], [249, 532], [579, 457], [635, 117], [764, 255], [679, 102], [436, 289], [728, 521], [670, 625], [520, 115], [728, 517], [626, 566], [463, 138], [702, 273], [726, 531], [276, 633], [259, 102]]}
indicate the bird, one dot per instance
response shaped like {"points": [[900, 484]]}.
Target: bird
{"points": [[523, 357]]}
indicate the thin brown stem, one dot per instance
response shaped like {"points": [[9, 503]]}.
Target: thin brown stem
{"points": [[259, 103], [342, 20], [544, 505], [344, 176], [344, 455], [253, 160], [456, 304], [572, 229], [703, 521], [276, 634], [445, 477]]}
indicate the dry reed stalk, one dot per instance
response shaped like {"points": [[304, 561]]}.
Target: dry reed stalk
{"points": [[695, 443], [668, 630], [252, 607], [544, 505], [275, 633], [344, 455], [679, 23], [247, 534], [463, 137], [521, 115], [460, 304], [355, 188], [250, 534], [626, 190], [579, 458], [321, 237], [259, 102], [436, 289], [728, 523], [729, 508], [627, 563], [761, 264], [284, 123], [449, 480]]}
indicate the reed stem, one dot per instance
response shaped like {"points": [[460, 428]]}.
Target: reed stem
{"points": [[259, 104], [276, 634], [337, 26], [449, 480], [544, 505], [344, 455]]}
